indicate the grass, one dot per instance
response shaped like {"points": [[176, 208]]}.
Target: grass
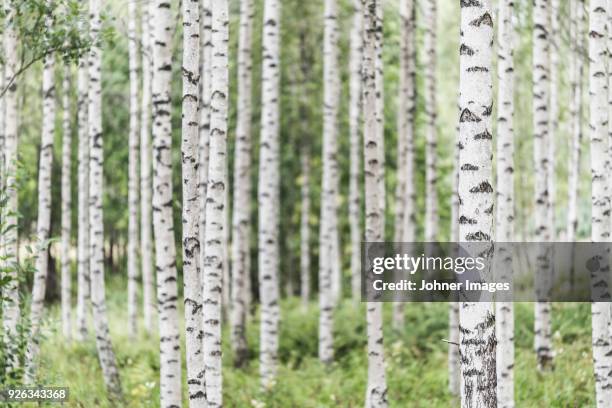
{"points": [[416, 361]]}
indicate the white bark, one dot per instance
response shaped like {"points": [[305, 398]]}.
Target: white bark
{"points": [[269, 194], [376, 394], [133, 142], [96, 230], [215, 257], [241, 222], [355, 213], [504, 311], [305, 229], [163, 224], [600, 209], [146, 244], [328, 237], [43, 223], [66, 262], [541, 101], [555, 45], [191, 209], [431, 195], [477, 319]]}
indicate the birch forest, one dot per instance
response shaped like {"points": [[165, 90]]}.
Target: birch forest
{"points": [[188, 189]]}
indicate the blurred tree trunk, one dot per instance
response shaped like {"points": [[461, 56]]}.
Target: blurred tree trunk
{"points": [[191, 210], [146, 245], [241, 222], [355, 115], [541, 101], [431, 195], [268, 194], [163, 223], [96, 219], [66, 206], [504, 311], [43, 222], [376, 394], [600, 208], [305, 228], [132, 255], [328, 287], [477, 319]]}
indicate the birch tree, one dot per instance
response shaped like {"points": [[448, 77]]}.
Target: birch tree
{"points": [[600, 205], [555, 86], [66, 206], [106, 354], [163, 224], [133, 141], [504, 311], [146, 244], [305, 228], [329, 188], [477, 319], [216, 225], [191, 210], [431, 195], [376, 394], [356, 52], [405, 191], [541, 101], [268, 196], [43, 223], [241, 221]]}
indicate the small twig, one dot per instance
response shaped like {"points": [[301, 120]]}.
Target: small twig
{"points": [[450, 342]]}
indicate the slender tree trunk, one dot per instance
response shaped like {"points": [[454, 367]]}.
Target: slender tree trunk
{"points": [[555, 44], [600, 209], [431, 196], [504, 311], [269, 194], [43, 223], [146, 244], [66, 207], [96, 230], [83, 278], [541, 95], [329, 189], [191, 210], [163, 224], [355, 214], [405, 191], [376, 394], [132, 261], [305, 229], [477, 319], [241, 222], [217, 223]]}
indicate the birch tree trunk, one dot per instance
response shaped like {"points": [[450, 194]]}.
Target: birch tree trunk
{"points": [[477, 319], [217, 224], [405, 192], [355, 213], [305, 229], [269, 194], [43, 222], [329, 189], [146, 244], [431, 196], [191, 210], [163, 224], [600, 208], [555, 44], [84, 281], [66, 206], [241, 222], [504, 311], [132, 255], [10, 307], [106, 354], [376, 394], [541, 95]]}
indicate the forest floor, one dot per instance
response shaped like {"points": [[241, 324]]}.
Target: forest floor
{"points": [[416, 360]]}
